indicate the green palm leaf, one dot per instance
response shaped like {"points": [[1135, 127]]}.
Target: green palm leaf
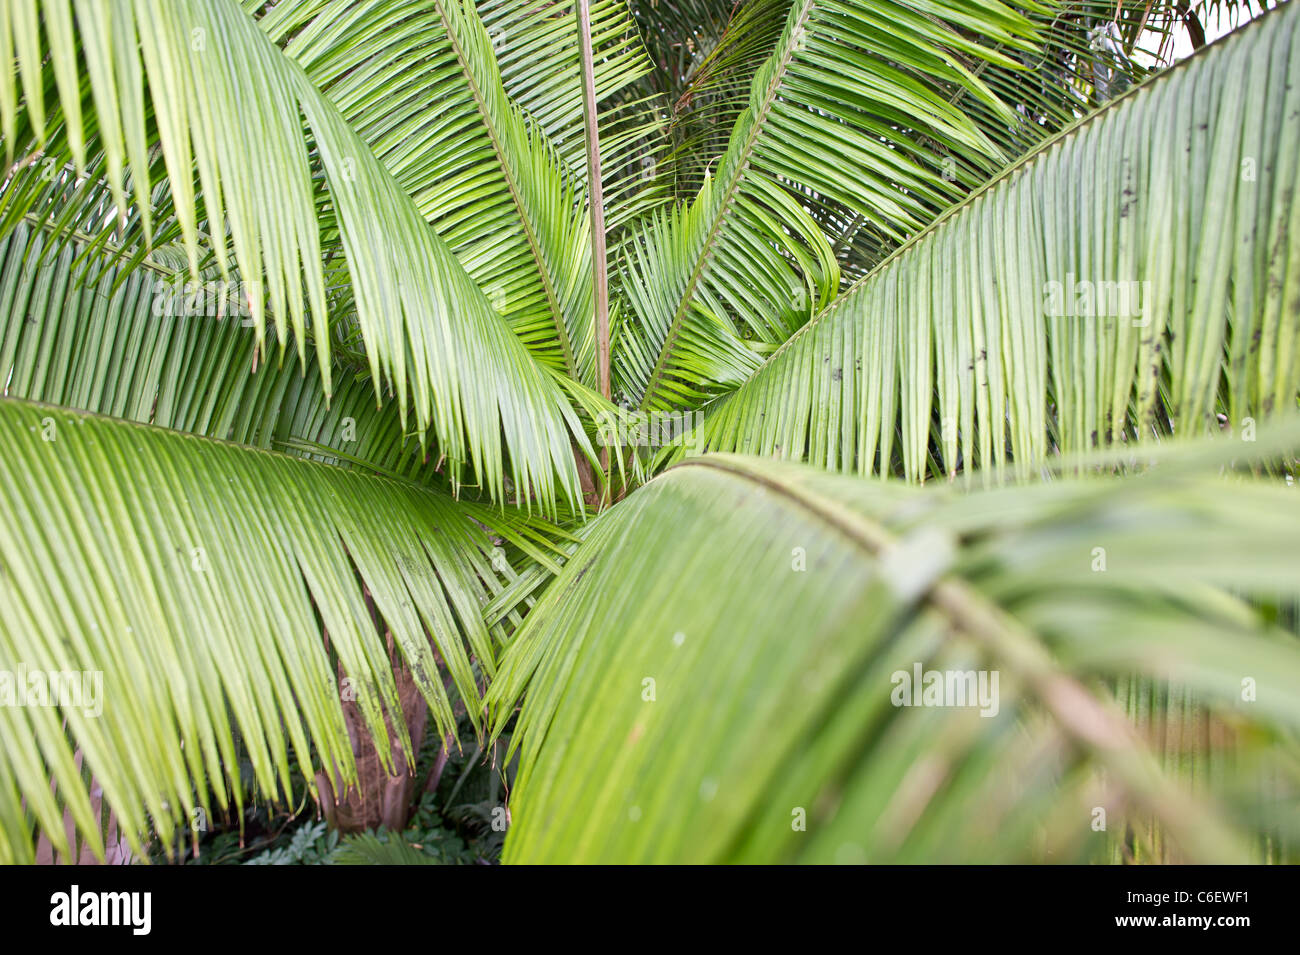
{"points": [[746, 706], [1088, 51], [75, 332], [537, 51], [708, 53], [1172, 208], [79, 331], [197, 577], [214, 84], [869, 79], [479, 170]]}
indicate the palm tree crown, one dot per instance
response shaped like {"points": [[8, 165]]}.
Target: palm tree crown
{"points": [[377, 362]]}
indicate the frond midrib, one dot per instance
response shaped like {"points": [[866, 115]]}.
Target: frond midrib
{"points": [[1088, 722], [512, 184], [740, 165], [1003, 177], [362, 467]]}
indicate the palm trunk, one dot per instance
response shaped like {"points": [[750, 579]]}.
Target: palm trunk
{"points": [[379, 798]]}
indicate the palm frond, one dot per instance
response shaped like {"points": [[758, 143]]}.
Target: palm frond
{"points": [[677, 342], [537, 50], [208, 588], [479, 170], [84, 333], [78, 331], [799, 605], [1130, 277], [870, 80], [1086, 52], [706, 53], [214, 83]]}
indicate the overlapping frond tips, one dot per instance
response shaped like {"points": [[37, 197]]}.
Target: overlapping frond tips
{"points": [[215, 85], [537, 50], [80, 330], [871, 80], [1133, 276], [427, 97], [802, 605], [207, 587], [1085, 52], [707, 53]]}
